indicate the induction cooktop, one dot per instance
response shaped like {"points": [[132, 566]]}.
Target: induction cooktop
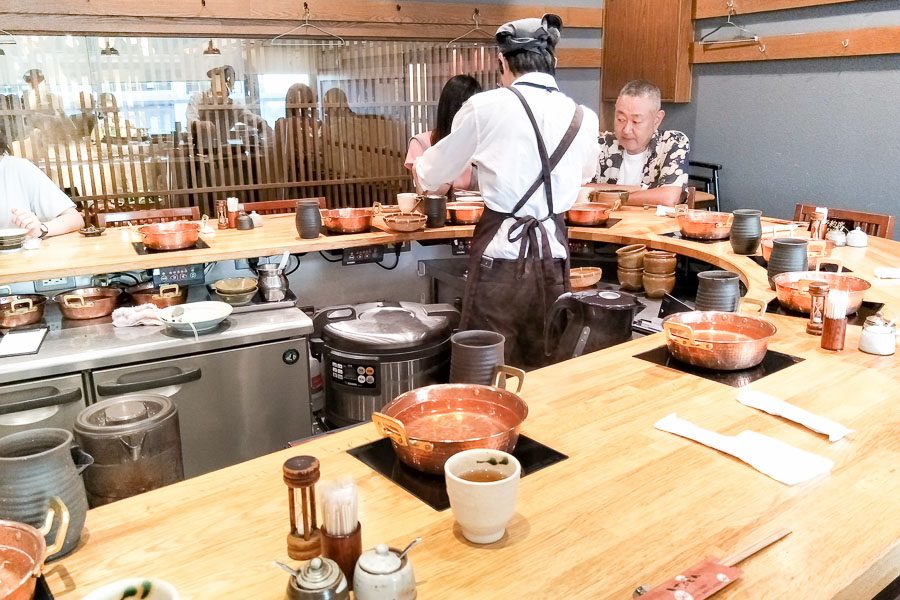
{"points": [[771, 363], [866, 309], [605, 225], [141, 249], [677, 234], [431, 489]]}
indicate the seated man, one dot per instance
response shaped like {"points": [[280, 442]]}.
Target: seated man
{"points": [[637, 154]]}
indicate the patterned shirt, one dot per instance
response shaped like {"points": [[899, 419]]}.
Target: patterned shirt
{"points": [[666, 165]]}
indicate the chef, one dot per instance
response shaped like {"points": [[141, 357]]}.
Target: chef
{"points": [[533, 147]]}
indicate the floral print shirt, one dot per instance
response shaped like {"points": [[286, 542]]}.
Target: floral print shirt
{"points": [[666, 165]]}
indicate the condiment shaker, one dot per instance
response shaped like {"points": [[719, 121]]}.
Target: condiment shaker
{"points": [[878, 337], [319, 579], [381, 574]]}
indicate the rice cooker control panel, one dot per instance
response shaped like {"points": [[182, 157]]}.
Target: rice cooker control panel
{"points": [[354, 375]]}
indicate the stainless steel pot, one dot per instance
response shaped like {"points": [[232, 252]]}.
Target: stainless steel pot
{"points": [[722, 341], [429, 425], [88, 303]]}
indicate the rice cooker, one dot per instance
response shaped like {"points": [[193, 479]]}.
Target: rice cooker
{"points": [[373, 352]]}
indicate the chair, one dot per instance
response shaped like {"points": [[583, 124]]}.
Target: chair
{"points": [[876, 224], [707, 176], [275, 207], [142, 217]]}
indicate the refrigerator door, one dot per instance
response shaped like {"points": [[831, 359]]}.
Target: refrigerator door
{"points": [[52, 402], [233, 405]]}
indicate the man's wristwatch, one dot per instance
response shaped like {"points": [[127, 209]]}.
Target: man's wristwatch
{"points": [[44, 232]]}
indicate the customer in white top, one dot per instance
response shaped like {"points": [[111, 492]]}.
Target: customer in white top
{"points": [[519, 259], [30, 200]]}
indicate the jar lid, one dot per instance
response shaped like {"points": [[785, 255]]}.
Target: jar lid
{"points": [[319, 574], [380, 560], [608, 299], [124, 415]]}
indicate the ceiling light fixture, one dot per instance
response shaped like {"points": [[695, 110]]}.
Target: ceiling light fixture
{"points": [[109, 50], [210, 49]]}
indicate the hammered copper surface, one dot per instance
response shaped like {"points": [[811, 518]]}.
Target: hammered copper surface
{"points": [[24, 309], [347, 220], [465, 213], [793, 289], [441, 420], [167, 295], [721, 341], [87, 303], [22, 550], [174, 235], [704, 224], [588, 215]]}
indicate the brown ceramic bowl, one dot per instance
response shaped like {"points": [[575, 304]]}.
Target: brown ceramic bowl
{"points": [[657, 286], [584, 277], [659, 262], [631, 257], [631, 280]]}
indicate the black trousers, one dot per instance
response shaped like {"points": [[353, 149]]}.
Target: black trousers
{"points": [[516, 308]]}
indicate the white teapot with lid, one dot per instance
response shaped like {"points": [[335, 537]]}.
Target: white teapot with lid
{"points": [[857, 238], [384, 573]]}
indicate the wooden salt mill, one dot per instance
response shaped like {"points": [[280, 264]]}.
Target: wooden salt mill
{"points": [[304, 540]]}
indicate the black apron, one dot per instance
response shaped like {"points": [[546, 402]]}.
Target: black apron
{"points": [[525, 229]]}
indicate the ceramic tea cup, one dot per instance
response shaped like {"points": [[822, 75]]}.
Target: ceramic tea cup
{"points": [[482, 485], [407, 202]]}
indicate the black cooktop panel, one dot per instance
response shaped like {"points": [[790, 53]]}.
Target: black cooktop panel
{"points": [[142, 250], [866, 309], [677, 234], [772, 363], [431, 489], [605, 225]]}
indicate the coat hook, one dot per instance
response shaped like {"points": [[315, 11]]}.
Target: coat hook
{"points": [[398, 8], [845, 42], [761, 47]]}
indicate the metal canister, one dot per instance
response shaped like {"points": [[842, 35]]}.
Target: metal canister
{"points": [[136, 444]]}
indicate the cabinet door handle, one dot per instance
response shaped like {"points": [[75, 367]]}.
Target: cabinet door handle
{"points": [[56, 399], [112, 389]]}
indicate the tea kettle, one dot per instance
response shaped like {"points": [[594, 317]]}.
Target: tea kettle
{"points": [[588, 321]]}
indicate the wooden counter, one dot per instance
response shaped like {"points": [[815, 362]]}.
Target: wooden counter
{"points": [[631, 505]]}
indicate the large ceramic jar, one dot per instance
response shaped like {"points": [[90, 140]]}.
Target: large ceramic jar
{"points": [[36, 465], [746, 231]]}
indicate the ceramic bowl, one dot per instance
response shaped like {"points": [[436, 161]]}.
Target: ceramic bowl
{"points": [[631, 280], [238, 298], [584, 277], [657, 286], [631, 257], [196, 316], [235, 285], [135, 587]]}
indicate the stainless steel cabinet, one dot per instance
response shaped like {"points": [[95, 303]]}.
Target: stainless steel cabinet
{"points": [[233, 405], [52, 402]]}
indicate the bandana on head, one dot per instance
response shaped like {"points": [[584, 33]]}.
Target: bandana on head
{"points": [[530, 35]]}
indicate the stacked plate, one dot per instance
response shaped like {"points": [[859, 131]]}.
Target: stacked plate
{"points": [[12, 239], [236, 291]]}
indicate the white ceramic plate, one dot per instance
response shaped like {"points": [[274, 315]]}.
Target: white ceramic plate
{"points": [[12, 232], [155, 589], [204, 316]]}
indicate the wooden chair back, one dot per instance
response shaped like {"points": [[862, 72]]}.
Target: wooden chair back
{"points": [[276, 207], [143, 217], [877, 224]]}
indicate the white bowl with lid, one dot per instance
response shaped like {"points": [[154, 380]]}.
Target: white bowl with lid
{"points": [[381, 574]]}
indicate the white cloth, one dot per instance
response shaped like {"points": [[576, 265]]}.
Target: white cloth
{"points": [[887, 272], [23, 185], [492, 131], [142, 314], [782, 462], [780, 408], [632, 170]]}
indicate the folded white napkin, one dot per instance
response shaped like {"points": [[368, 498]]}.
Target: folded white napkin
{"points": [[142, 314], [665, 211], [780, 408], [887, 272], [778, 460]]}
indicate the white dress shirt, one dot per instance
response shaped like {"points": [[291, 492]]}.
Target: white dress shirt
{"points": [[492, 131]]}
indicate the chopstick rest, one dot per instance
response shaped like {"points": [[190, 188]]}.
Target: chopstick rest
{"points": [[782, 462], [780, 408]]}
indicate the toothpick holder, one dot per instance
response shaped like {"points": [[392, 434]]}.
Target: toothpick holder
{"points": [[343, 549]]}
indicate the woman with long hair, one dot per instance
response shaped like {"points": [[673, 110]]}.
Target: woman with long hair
{"points": [[456, 91]]}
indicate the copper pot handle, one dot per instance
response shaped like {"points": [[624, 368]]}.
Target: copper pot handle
{"points": [[675, 329], [394, 429], [75, 301], [25, 303], [169, 290], [759, 304], [824, 260], [59, 510], [501, 372]]}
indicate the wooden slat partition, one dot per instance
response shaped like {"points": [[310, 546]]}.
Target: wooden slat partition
{"points": [[822, 44], [345, 11], [705, 9]]}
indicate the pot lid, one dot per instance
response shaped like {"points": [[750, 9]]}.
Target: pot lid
{"points": [[391, 326], [318, 574], [608, 299], [380, 560], [124, 415]]}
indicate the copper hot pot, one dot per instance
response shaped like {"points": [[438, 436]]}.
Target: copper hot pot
{"points": [[163, 296], [88, 303], [704, 224], [22, 309], [347, 220], [23, 551], [428, 425], [793, 287], [588, 215], [174, 235], [465, 213]]}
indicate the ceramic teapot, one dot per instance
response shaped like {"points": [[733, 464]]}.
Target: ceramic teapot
{"points": [[384, 573]]}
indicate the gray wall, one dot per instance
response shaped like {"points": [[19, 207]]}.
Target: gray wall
{"points": [[820, 130]]}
